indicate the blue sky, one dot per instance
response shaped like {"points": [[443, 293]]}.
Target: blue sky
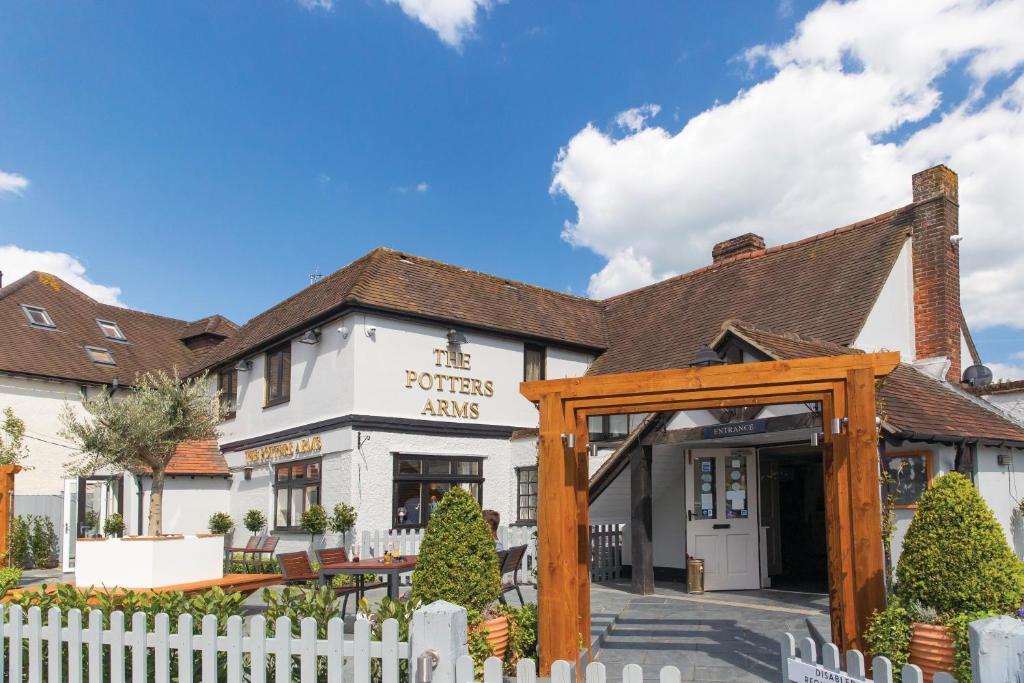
{"points": [[205, 157]]}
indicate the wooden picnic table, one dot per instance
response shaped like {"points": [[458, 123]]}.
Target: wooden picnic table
{"points": [[393, 570]]}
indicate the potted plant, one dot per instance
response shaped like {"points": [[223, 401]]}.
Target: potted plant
{"points": [[254, 521], [113, 526], [955, 566], [343, 520], [221, 523], [457, 562], [314, 522]]}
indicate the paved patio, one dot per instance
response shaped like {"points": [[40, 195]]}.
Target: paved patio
{"points": [[727, 636]]}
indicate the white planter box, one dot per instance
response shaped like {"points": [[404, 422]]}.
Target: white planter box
{"points": [[147, 562]]}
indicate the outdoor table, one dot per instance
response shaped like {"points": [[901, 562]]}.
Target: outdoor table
{"points": [[392, 569]]}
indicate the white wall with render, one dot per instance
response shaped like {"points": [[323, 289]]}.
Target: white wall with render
{"points": [[39, 403], [1002, 486], [890, 324], [187, 505]]}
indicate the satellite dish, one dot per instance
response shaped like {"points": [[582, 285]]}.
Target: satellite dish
{"points": [[977, 376]]}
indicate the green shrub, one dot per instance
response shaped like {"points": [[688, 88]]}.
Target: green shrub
{"points": [[21, 542], [399, 610], [10, 577], [961, 644], [297, 602], [43, 541], [255, 521], [955, 556], [221, 523], [457, 561], [522, 642], [314, 521], [113, 526], [889, 634], [343, 520]]}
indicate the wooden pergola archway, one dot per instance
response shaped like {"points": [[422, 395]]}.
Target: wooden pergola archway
{"points": [[845, 387]]}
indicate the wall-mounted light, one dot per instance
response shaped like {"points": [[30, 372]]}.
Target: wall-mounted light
{"points": [[569, 440], [247, 473], [456, 338], [706, 357], [371, 332], [343, 331], [243, 365], [311, 337]]}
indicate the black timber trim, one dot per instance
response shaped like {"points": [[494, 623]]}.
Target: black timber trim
{"points": [[376, 423]]}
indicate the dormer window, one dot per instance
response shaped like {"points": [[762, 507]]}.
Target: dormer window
{"points": [[100, 356], [38, 317], [111, 330]]}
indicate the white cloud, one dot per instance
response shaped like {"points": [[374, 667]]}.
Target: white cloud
{"points": [[1005, 371], [422, 186], [636, 118], [16, 262], [12, 182], [452, 20], [1019, 355], [850, 108], [311, 5]]}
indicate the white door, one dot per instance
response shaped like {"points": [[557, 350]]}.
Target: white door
{"points": [[96, 505], [69, 534], [721, 526]]}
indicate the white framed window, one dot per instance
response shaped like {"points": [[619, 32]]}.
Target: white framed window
{"points": [[100, 356], [38, 317], [111, 330]]}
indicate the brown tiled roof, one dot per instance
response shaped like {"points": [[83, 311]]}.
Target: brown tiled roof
{"points": [[823, 286], [196, 458], [153, 341], [1003, 387], [389, 280], [216, 325], [914, 404]]}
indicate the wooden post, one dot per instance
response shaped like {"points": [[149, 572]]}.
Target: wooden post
{"points": [[640, 519], [7, 473], [582, 484], [557, 537], [865, 499]]}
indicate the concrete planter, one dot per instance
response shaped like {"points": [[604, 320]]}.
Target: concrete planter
{"points": [[931, 648], [148, 561]]}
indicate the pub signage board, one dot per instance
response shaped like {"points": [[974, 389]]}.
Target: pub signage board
{"points": [[735, 429]]}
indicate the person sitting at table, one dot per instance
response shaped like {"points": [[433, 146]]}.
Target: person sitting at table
{"points": [[493, 519]]}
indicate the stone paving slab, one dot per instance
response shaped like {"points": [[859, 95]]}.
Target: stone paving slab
{"points": [[727, 636]]}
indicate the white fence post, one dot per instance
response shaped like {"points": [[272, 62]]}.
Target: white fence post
{"points": [[996, 644], [441, 627]]}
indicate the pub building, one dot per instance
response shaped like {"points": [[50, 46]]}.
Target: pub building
{"points": [[396, 378]]}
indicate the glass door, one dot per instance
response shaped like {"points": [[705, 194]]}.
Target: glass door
{"points": [[69, 534]]}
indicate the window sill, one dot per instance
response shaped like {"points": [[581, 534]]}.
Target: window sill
{"points": [[275, 402], [525, 522]]}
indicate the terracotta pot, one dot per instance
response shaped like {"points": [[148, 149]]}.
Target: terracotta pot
{"points": [[496, 632], [931, 648]]}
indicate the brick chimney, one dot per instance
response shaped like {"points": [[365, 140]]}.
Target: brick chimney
{"points": [[744, 244], [937, 267]]}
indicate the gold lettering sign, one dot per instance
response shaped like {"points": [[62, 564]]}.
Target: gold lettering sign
{"points": [[283, 450], [446, 383]]}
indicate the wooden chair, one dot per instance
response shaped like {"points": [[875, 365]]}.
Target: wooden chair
{"points": [[338, 556], [264, 550], [250, 545], [510, 561]]}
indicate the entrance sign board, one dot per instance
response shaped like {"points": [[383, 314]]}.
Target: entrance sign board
{"points": [[736, 429], [804, 672]]}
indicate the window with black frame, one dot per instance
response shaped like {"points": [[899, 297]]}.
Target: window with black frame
{"points": [[227, 384], [422, 480], [296, 489], [608, 427], [526, 495]]}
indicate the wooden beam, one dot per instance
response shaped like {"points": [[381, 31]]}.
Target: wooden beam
{"points": [[736, 375], [582, 488], [839, 540], [865, 499], [703, 400], [641, 519], [781, 423], [557, 571]]}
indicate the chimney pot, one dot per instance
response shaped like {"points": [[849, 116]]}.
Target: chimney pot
{"points": [[744, 244]]}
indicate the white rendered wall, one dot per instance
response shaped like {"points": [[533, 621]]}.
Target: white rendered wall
{"points": [[39, 403], [890, 324], [188, 503], [322, 386], [1010, 402], [1002, 486]]}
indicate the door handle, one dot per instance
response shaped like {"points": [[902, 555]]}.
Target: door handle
{"points": [[689, 515]]}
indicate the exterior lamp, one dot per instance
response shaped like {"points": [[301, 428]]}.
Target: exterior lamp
{"points": [[706, 357], [243, 365], [456, 338], [311, 337]]}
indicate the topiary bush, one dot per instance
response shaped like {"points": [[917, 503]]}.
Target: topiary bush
{"points": [[457, 561], [255, 521], [221, 523], [955, 556], [113, 526]]}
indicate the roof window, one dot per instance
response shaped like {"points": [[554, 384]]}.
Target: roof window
{"points": [[38, 317], [100, 356], [111, 330]]}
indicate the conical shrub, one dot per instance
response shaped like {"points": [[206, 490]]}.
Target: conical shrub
{"points": [[457, 560], [955, 556]]}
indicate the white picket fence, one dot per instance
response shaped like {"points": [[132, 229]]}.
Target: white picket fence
{"points": [[561, 672], [806, 666], [35, 652]]}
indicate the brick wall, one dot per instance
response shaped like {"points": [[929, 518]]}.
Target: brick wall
{"points": [[937, 267]]}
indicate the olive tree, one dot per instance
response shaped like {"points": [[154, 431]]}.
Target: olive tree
{"points": [[139, 430], [12, 439]]}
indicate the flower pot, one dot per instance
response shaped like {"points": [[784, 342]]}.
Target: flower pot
{"points": [[496, 632], [931, 648]]}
